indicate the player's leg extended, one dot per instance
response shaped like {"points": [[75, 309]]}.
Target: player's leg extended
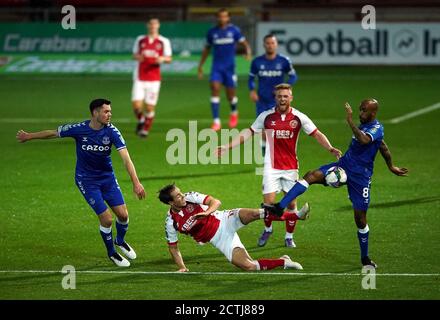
{"points": [[121, 229], [151, 98], [137, 98], [215, 104], [241, 259], [267, 232], [233, 100]]}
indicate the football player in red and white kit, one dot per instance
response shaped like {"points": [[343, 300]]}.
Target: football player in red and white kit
{"points": [[150, 51], [196, 214], [282, 125]]}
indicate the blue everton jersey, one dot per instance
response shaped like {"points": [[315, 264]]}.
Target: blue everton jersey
{"points": [[360, 158], [270, 73], [223, 43], [93, 148]]}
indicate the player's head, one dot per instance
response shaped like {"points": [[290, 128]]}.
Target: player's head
{"points": [[270, 44], [283, 96], [223, 17], [368, 110], [153, 26], [101, 110], [172, 196]]}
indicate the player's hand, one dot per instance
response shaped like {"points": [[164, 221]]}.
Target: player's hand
{"points": [[139, 190], [22, 136], [220, 151], [185, 269], [403, 172], [160, 60], [254, 96], [336, 152], [349, 112], [200, 73], [139, 57]]}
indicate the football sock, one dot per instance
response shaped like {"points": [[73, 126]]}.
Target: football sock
{"points": [[121, 230], [139, 115], [106, 234], [289, 235], [215, 106], [234, 103], [290, 226], [268, 264], [149, 121], [268, 223], [363, 240], [298, 188], [268, 228]]}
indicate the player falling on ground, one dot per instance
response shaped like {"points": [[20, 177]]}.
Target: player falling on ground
{"points": [[223, 38], [282, 125], [196, 214], [270, 69], [358, 163], [94, 174], [150, 51]]}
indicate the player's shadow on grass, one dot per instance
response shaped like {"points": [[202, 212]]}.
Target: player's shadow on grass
{"points": [[399, 203], [193, 175]]}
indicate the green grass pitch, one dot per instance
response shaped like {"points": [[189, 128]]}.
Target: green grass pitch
{"points": [[46, 224]]}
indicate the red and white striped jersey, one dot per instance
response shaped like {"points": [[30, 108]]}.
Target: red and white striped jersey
{"points": [[151, 49], [202, 230], [282, 132]]}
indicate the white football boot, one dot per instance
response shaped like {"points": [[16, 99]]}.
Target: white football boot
{"points": [[119, 261], [303, 213], [290, 264], [127, 250]]}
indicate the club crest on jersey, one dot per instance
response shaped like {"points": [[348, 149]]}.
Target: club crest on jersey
{"points": [[92, 201], [293, 124], [190, 208], [158, 46], [105, 140], [229, 34], [262, 67], [278, 66]]}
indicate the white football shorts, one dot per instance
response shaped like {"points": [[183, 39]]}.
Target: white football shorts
{"points": [[226, 237], [147, 91], [278, 180]]}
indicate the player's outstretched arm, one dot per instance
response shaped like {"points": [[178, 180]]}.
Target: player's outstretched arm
{"points": [[177, 257], [239, 139], [205, 54], [23, 136], [358, 133], [138, 188], [386, 154], [325, 143]]}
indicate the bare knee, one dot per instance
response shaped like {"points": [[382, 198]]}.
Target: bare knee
{"points": [[106, 221], [247, 265]]}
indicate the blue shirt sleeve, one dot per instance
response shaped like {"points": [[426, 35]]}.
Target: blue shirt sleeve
{"points": [[209, 39], [116, 138], [290, 71], [238, 37], [69, 130], [253, 72], [375, 132]]}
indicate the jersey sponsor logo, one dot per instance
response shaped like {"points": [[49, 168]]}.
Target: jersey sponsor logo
{"points": [[284, 134], [94, 147], [148, 53], [189, 224], [293, 124], [270, 73], [106, 140], [223, 41]]}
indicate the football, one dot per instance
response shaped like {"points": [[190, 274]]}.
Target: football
{"points": [[335, 177]]}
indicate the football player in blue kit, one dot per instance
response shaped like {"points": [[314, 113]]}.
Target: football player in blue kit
{"points": [[358, 162], [222, 39], [94, 174]]}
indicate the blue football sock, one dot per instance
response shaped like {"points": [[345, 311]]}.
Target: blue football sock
{"points": [[107, 237], [298, 188], [215, 106], [363, 241], [121, 230]]}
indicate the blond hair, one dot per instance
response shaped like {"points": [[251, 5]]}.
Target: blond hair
{"points": [[283, 86]]}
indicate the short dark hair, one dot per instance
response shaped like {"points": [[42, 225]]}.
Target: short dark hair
{"points": [[270, 35], [165, 193], [222, 10], [97, 103]]}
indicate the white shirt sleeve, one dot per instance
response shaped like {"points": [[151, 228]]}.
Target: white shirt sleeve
{"points": [[307, 125], [258, 124], [195, 197], [167, 51], [136, 44], [170, 231]]}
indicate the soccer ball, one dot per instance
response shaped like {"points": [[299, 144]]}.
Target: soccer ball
{"points": [[335, 177]]}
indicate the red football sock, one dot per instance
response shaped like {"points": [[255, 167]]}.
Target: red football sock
{"points": [[289, 216], [290, 226], [268, 264], [139, 115], [148, 123]]}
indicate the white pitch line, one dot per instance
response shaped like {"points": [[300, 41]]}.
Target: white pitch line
{"points": [[415, 113], [335, 274]]}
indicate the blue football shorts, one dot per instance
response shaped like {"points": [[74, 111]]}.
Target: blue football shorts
{"points": [[225, 76], [99, 192], [358, 186]]}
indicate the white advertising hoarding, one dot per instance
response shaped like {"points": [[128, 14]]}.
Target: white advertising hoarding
{"points": [[348, 43]]}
